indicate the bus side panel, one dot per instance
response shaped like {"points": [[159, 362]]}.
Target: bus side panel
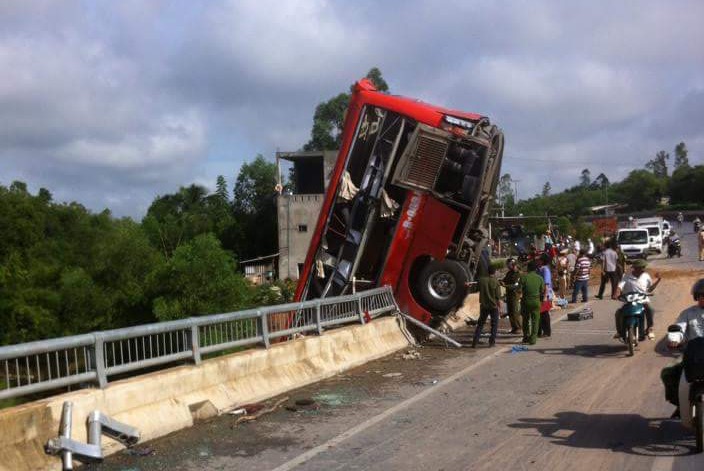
{"points": [[425, 229]]}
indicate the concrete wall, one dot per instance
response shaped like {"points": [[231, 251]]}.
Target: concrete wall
{"points": [[293, 211], [163, 402], [297, 209]]}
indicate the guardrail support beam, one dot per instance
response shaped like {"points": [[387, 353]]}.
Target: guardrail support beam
{"points": [[195, 344]]}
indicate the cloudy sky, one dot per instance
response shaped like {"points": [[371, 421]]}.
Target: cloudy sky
{"points": [[112, 103]]}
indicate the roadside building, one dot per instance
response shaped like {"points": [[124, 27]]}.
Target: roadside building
{"points": [[299, 204], [261, 269]]}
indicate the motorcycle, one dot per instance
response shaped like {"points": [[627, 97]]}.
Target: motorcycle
{"points": [[674, 247], [691, 389], [633, 319]]}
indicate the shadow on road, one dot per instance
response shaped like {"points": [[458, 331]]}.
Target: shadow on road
{"points": [[624, 433], [589, 351]]}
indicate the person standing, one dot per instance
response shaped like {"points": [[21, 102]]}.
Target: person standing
{"points": [[562, 271], [533, 292], [609, 261], [582, 269], [546, 304], [512, 283], [489, 305], [700, 236], [620, 262], [571, 262], [680, 219]]}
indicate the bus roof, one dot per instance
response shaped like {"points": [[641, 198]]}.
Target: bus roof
{"points": [[416, 109]]}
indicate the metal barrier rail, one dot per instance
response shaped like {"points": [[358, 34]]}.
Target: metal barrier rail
{"points": [[45, 365]]}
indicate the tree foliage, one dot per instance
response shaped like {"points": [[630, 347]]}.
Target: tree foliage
{"points": [[329, 116], [658, 165], [681, 159]]}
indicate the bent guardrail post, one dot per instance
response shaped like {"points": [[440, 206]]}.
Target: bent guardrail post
{"points": [[66, 425], [430, 329], [264, 326], [100, 424], [360, 309]]}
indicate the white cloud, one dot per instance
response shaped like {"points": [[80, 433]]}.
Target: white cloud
{"points": [[112, 103]]}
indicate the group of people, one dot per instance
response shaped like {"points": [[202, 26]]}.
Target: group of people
{"points": [[530, 296]]}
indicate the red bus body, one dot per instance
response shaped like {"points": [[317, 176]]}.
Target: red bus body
{"points": [[407, 204]]}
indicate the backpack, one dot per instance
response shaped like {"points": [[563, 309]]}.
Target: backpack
{"points": [[693, 360]]}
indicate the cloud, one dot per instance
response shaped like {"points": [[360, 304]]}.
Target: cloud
{"points": [[112, 103]]}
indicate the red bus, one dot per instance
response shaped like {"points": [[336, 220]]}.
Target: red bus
{"points": [[407, 204]]}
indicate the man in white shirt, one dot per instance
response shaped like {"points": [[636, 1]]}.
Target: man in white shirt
{"points": [[638, 281], [691, 321]]}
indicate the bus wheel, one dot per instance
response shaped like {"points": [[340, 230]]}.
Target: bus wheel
{"points": [[441, 285]]}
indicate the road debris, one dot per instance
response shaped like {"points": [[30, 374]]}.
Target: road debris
{"points": [[411, 354], [254, 411], [392, 375], [238, 411], [141, 451], [519, 349]]}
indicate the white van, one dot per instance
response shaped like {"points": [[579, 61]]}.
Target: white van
{"points": [[656, 237], [634, 242]]}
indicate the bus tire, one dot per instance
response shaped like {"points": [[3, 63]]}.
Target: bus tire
{"points": [[441, 285]]}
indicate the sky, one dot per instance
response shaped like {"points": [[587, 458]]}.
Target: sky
{"points": [[111, 104]]}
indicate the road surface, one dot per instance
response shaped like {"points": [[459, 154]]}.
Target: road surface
{"points": [[574, 401]]}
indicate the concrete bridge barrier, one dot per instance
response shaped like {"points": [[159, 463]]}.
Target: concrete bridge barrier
{"points": [[163, 402]]}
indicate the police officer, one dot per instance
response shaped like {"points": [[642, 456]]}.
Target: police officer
{"points": [[533, 294], [512, 283]]}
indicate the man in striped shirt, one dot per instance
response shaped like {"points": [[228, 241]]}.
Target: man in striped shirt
{"points": [[582, 268]]}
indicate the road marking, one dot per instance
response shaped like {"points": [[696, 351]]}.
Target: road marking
{"points": [[300, 459]]}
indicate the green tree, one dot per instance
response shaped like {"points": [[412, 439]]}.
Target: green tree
{"points": [[681, 159], [221, 189], [685, 186], [546, 189], [254, 208], [200, 278], [329, 116], [658, 165], [641, 190], [585, 178]]}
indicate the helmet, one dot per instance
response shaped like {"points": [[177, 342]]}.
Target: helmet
{"points": [[640, 263], [698, 288]]}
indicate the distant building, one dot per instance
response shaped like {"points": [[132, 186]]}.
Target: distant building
{"points": [[299, 206], [261, 269]]}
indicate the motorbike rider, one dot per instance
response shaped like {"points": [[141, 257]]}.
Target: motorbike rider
{"points": [[638, 281], [672, 239], [691, 321]]}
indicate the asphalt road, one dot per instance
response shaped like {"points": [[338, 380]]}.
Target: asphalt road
{"points": [[574, 401]]}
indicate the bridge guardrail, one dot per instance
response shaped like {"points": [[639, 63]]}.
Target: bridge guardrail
{"points": [[92, 358]]}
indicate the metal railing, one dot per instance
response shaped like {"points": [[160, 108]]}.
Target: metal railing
{"points": [[47, 365]]}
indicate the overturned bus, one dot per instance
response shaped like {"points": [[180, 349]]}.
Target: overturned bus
{"points": [[407, 204]]}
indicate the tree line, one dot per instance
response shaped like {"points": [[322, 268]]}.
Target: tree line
{"points": [[649, 188], [65, 270]]}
